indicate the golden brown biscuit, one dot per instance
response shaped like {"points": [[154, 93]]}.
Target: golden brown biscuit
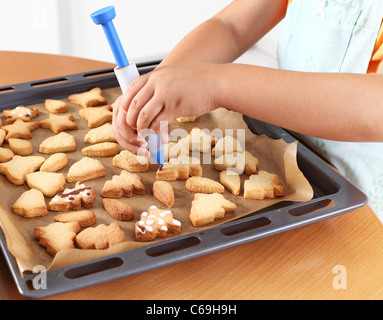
{"points": [[2, 136], [100, 134], [101, 237], [156, 223], [123, 185], [6, 155], [20, 147], [85, 169], [20, 112], [17, 169], [237, 162], [62, 142], [55, 163], [59, 123], [227, 144], [48, 183], [127, 160], [73, 199], [263, 185], [118, 209], [103, 149], [57, 236], [85, 218], [163, 191], [199, 140], [30, 204], [56, 106], [180, 169], [208, 207], [231, 181], [204, 185], [96, 116], [20, 129], [88, 99]]}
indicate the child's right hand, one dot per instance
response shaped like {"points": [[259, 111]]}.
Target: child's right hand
{"points": [[164, 95]]}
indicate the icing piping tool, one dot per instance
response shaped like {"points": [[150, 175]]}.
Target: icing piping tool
{"points": [[126, 71]]}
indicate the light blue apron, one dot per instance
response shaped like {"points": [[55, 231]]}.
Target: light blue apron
{"points": [[337, 36]]}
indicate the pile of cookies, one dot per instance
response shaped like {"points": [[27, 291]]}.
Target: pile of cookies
{"points": [[74, 224]]}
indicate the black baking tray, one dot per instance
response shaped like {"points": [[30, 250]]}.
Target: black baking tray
{"points": [[333, 196]]}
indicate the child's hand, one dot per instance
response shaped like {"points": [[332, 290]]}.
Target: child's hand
{"points": [[165, 94]]}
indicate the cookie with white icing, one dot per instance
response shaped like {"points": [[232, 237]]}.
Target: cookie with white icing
{"points": [[156, 223]]}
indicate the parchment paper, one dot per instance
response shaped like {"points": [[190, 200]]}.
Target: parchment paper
{"points": [[274, 156]]}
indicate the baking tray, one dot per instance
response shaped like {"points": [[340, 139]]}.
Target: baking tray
{"points": [[333, 196]]}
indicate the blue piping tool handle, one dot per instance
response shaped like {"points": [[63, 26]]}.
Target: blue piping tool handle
{"points": [[126, 72], [104, 17]]}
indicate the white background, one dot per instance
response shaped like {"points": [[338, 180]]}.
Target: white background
{"points": [[149, 29]]}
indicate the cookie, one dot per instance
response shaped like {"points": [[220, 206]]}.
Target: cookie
{"points": [[86, 169], [47, 182], [20, 129], [199, 140], [17, 169], [56, 106], [85, 218], [101, 237], [208, 207], [163, 191], [237, 162], [263, 185], [175, 150], [20, 113], [62, 142], [55, 163], [2, 136], [6, 155], [231, 181], [80, 196], [57, 236], [20, 147], [204, 185], [103, 149], [96, 116], [187, 119], [127, 160], [227, 144], [118, 209], [100, 134], [59, 123], [124, 184], [88, 99], [156, 223], [179, 169], [30, 204]]}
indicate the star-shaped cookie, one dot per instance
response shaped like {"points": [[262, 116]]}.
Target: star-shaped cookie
{"points": [[97, 116], [20, 129], [59, 123], [88, 99]]}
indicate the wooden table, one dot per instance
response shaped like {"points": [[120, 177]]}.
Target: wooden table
{"points": [[298, 264]]}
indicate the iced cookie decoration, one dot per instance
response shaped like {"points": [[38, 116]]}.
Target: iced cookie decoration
{"points": [[20, 112], [156, 223], [73, 199]]}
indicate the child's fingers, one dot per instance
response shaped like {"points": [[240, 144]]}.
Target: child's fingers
{"points": [[147, 114], [136, 85], [137, 104]]}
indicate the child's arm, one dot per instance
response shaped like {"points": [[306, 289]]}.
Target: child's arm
{"points": [[336, 106], [221, 39]]}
